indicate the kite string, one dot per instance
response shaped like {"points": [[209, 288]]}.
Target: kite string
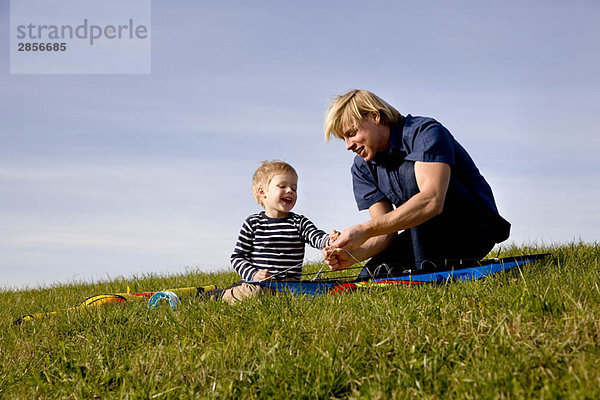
{"points": [[317, 274], [330, 254], [323, 266], [270, 277], [300, 265], [350, 254]]}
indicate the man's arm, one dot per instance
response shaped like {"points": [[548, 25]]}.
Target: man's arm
{"points": [[376, 244], [365, 239], [343, 259]]}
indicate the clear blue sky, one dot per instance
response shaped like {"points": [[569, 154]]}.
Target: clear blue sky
{"points": [[108, 175]]}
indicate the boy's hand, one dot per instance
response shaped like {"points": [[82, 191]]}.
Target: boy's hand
{"points": [[333, 237], [330, 252], [261, 275]]}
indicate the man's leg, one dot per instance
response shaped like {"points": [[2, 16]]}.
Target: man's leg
{"points": [[392, 261], [450, 239]]}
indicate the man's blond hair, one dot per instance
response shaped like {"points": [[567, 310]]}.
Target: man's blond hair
{"points": [[347, 110], [265, 173]]}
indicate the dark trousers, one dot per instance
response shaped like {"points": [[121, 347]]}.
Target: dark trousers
{"points": [[463, 234]]}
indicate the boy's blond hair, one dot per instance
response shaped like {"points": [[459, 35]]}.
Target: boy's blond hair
{"points": [[263, 175], [347, 110]]}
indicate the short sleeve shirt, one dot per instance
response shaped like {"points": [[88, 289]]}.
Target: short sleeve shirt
{"points": [[417, 139]]}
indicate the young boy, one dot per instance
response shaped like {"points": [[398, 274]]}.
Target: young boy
{"points": [[271, 242]]}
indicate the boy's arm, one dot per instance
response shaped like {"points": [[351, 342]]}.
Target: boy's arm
{"points": [[240, 259], [313, 236]]}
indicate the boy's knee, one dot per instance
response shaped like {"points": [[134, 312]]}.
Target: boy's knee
{"points": [[241, 292]]}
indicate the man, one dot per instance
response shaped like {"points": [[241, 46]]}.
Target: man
{"points": [[412, 176]]}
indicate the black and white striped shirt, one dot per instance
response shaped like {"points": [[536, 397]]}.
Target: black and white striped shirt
{"points": [[276, 244]]}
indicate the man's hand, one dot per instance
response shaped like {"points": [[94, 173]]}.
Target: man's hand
{"points": [[350, 238], [261, 275], [336, 254], [337, 259]]}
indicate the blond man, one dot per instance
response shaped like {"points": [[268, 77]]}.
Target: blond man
{"points": [[429, 205]]}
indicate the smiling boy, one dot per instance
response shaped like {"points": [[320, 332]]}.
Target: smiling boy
{"points": [[271, 242]]}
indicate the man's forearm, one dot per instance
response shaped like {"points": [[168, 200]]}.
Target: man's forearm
{"points": [[418, 209], [374, 245], [433, 180]]}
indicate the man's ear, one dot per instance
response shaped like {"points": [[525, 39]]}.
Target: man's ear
{"points": [[376, 117]]}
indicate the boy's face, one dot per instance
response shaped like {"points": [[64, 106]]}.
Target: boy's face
{"points": [[280, 196]]}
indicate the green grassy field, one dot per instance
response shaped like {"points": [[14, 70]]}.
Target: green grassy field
{"points": [[534, 333]]}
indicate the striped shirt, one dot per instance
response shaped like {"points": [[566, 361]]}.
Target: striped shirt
{"points": [[276, 244]]}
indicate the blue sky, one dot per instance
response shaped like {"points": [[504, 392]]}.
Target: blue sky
{"points": [[109, 175]]}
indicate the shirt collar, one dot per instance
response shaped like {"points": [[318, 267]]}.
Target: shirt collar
{"points": [[395, 150]]}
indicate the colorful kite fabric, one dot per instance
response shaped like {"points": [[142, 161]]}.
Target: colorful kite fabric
{"points": [[483, 269]]}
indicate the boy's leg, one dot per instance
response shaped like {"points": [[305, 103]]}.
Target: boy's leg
{"points": [[243, 290]]}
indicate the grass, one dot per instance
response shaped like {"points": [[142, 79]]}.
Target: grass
{"points": [[530, 334]]}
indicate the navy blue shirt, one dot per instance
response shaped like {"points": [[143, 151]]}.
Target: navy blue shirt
{"points": [[421, 139]]}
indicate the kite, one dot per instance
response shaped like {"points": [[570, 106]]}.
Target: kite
{"points": [[313, 287], [480, 270]]}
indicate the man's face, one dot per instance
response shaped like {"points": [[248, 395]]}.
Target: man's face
{"points": [[370, 138]]}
